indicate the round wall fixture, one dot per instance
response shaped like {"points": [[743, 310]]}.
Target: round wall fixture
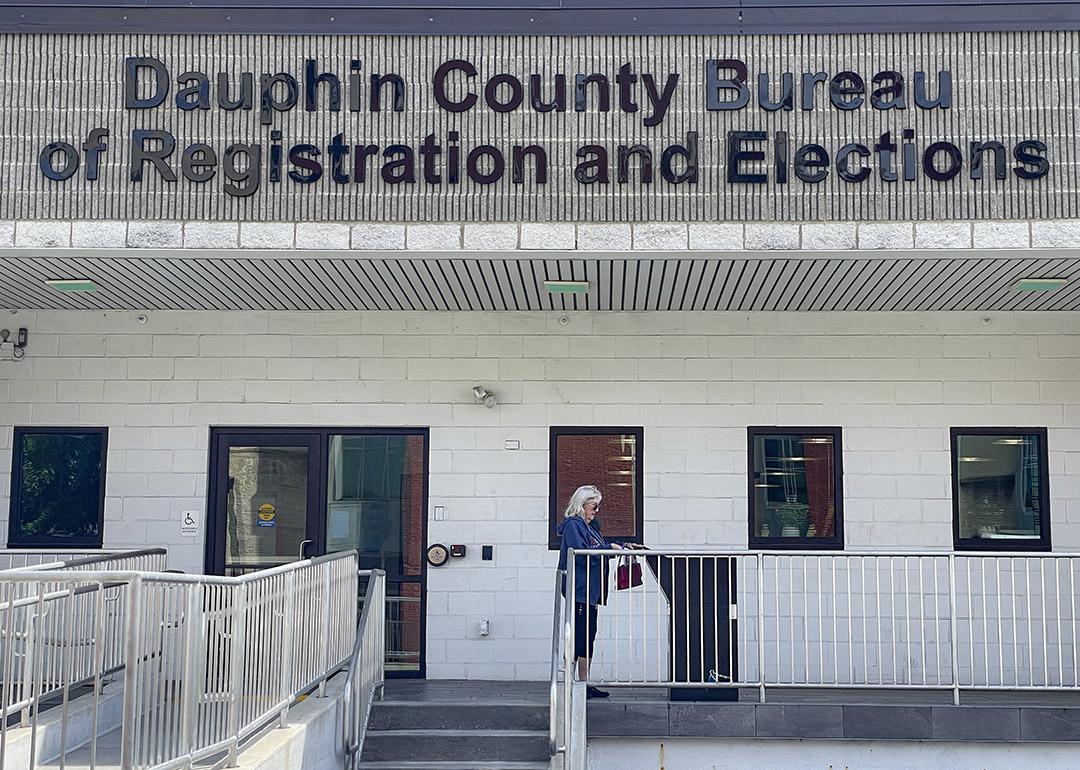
{"points": [[437, 554]]}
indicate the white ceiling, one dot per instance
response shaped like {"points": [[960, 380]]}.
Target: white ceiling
{"points": [[252, 280]]}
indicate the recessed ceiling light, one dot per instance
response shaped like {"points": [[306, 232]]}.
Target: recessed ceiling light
{"points": [[72, 284], [974, 459], [566, 287], [1012, 441], [1039, 284]]}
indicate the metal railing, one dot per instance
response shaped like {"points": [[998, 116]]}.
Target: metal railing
{"points": [[558, 664], [922, 621], [367, 668], [206, 660], [146, 559]]}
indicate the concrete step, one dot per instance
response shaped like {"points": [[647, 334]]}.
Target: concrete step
{"points": [[470, 746], [462, 715]]}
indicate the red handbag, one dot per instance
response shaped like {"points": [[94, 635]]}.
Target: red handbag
{"points": [[628, 573]]}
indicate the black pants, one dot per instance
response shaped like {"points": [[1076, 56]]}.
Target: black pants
{"points": [[584, 630]]}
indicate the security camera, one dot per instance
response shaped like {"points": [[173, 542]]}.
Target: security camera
{"points": [[484, 396]]}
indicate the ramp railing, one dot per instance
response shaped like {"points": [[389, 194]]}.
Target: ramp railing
{"points": [[139, 560], [366, 669], [206, 661]]}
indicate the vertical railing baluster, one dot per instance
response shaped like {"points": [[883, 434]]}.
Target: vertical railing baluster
{"points": [[759, 583], [131, 671], [952, 630]]}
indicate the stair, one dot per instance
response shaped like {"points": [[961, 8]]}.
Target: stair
{"points": [[415, 731]]}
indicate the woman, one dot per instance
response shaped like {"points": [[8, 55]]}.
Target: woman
{"points": [[590, 574]]}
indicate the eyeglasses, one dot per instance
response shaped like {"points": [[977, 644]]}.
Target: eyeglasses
{"points": [[594, 506]]}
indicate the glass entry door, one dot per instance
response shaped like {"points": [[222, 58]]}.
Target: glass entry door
{"points": [[280, 495], [266, 501], [376, 504]]}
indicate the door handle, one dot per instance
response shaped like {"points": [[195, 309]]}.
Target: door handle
{"points": [[303, 547]]}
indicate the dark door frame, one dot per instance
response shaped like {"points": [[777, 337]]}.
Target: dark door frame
{"points": [[319, 440]]}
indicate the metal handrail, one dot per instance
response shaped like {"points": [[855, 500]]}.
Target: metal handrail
{"points": [[888, 619], [368, 654], [148, 558], [166, 629], [556, 636], [154, 558]]}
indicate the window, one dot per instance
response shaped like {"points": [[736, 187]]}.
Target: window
{"points": [[607, 458], [58, 487], [796, 488], [1000, 489]]}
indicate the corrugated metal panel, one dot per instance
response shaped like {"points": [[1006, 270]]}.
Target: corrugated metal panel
{"points": [[659, 284], [570, 17], [1007, 86]]}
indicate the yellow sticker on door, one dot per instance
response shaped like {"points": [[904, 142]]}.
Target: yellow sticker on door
{"points": [[267, 514]]}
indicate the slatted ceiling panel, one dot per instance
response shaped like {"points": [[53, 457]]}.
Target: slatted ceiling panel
{"points": [[857, 284], [1028, 300], [986, 274], [509, 283], [967, 276], [710, 296], [902, 271], [801, 276], [909, 287], [959, 273], [348, 283], [432, 274], [1070, 294], [1000, 285], [757, 294], [466, 286], [1068, 301]]}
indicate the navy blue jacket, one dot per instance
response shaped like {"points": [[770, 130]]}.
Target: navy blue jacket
{"points": [[576, 534]]}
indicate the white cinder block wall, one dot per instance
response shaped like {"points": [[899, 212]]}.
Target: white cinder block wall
{"points": [[894, 382]]}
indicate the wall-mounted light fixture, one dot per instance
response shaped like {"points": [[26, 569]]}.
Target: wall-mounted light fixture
{"points": [[484, 396], [72, 285]]}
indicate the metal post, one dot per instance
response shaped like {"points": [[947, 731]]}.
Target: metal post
{"points": [[237, 664], [952, 629], [324, 637], [192, 684], [288, 640], [131, 673], [568, 654], [761, 625], [30, 661]]}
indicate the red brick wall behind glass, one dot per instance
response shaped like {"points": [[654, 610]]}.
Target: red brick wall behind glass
{"points": [[605, 461]]}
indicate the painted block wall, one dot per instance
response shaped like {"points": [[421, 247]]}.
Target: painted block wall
{"points": [[895, 382]]}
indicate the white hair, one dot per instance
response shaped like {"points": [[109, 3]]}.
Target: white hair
{"points": [[581, 496]]}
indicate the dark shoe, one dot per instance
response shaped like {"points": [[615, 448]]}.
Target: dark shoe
{"points": [[596, 692]]}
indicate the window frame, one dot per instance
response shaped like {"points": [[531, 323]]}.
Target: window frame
{"points": [[1044, 543], [776, 543], [15, 538], [556, 508]]}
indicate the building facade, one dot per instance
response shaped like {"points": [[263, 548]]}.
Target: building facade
{"points": [[268, 281]]}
